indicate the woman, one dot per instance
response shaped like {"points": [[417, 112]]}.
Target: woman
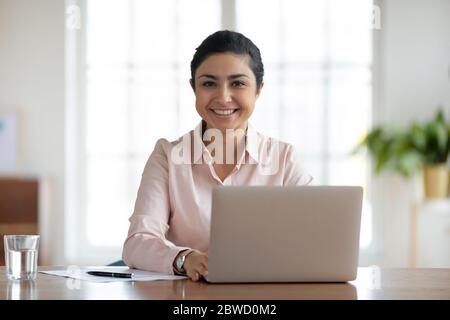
{"points": [[169, 229]]}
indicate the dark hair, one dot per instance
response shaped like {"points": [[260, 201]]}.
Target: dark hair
{"points": [[229, 41]]}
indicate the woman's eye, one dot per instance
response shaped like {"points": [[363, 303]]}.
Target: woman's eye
{"points": [[238, 84], [208, 84]]}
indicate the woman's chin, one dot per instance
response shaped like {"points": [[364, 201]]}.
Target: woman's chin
{"points": [[226, 126]]}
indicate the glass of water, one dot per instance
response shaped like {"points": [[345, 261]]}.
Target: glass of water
{"points": [[21, 254]]}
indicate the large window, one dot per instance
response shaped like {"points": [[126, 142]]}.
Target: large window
{"points": [[138, 55], [317, 92], [318, 60]]}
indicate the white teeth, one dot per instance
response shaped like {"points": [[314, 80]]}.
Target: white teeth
{"points": [[226, 112]]}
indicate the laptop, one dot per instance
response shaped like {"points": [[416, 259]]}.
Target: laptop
{"points": [[284, 234]]}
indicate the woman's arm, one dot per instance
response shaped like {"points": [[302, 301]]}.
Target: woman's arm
{"points": [[146, 246]]}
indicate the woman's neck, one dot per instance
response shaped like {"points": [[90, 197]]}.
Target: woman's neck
{"points": [[236, 137]]}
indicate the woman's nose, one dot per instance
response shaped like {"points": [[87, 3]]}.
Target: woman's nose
{"points": [[224, 94]]}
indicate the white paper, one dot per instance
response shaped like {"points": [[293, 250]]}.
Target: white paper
{"points": [[138, 275]]}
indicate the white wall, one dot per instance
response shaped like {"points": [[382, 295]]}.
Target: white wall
{"points": [[32, 84], [413, 78]]}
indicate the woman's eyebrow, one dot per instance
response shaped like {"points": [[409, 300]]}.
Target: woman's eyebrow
{"points": [[234, 76], [230, 77]]}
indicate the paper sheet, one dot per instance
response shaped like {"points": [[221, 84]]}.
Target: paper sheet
{"points": [[139, 275]]}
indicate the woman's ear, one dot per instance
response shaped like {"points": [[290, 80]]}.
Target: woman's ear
{"points": [[258, 92], [192, 84]]}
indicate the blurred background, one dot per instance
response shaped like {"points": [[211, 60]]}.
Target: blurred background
{"points": [[87, 87]]}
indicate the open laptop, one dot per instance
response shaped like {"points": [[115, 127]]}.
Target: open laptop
{"points": [[284, 234]]}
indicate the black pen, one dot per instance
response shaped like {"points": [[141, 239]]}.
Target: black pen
{"points": [[110, 274]]}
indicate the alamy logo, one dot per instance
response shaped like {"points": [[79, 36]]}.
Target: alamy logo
{"points": [[73, 282], [225, 148], [73, 17]]}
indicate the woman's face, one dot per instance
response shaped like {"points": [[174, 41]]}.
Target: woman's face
{"points": [[225, 91]]}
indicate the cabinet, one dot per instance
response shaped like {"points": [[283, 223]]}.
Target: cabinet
{"points": [[430, 223], [18, 208]]}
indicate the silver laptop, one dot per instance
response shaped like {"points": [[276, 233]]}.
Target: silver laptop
{"points": [[285, 234]]}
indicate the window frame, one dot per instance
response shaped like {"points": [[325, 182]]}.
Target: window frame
{"points": [[77, 247]]}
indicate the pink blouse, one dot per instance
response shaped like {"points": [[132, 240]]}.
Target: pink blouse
{"points": [[173, 205]]}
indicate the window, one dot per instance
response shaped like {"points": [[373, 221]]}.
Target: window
{"points": [[137, 53], [318, 61]]}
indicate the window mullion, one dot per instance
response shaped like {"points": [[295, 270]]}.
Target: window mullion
{"points": [[326, 94], [228, 14], [130, 83]]}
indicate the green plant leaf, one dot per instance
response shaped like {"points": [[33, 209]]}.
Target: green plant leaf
{"points": [[405, 151], [410, 163], [381, 158], [418, 137], [441, 135]]}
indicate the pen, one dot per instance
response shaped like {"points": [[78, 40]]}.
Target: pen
{"points": [[110, 274]]}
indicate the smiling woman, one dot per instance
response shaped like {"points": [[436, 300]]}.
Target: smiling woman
{"points": [[169, 229]]}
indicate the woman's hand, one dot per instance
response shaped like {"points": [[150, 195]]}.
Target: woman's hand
{"points": [[196, 265]]}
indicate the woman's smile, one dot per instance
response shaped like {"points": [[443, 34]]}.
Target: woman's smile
{"points": [[222, 113]]}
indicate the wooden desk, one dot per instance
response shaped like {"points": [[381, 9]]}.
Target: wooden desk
{"points": [[372, 283]]}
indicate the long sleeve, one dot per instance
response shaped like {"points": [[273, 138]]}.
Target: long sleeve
{"points": [[146, 246], [293, 173]]}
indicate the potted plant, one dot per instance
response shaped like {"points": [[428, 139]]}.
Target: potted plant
{"points": [[422, 146], [432, 141]]}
